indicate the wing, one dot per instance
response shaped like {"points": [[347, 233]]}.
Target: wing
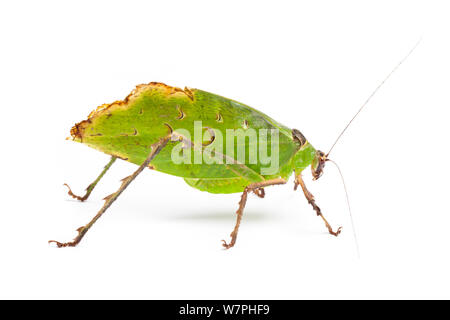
{"points": [[127, 128]]}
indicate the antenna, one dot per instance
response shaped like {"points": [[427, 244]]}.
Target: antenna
{"points": [[374, 92], [349, 208]]}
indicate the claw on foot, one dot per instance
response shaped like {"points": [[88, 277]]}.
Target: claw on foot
{"points": [[71, 243], [226, 245], [335, 233], [63, 245], [70, 193]]}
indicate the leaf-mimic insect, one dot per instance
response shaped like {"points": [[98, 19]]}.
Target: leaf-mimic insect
{"points": [[215, 144]]}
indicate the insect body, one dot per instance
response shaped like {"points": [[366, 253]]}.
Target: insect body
{"points": [[183, 133], [155, 124]]}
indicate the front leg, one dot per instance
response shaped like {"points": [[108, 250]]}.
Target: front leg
{"points": [[312, 202]]}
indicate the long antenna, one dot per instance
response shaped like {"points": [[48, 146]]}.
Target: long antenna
{"points": [[349, 208], [374, 92]]}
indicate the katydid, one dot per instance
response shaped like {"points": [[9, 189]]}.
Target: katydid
{"points": [[215, 144]]}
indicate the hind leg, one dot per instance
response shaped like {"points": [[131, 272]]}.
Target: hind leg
{"points": [[93, 184], [156, 148]]}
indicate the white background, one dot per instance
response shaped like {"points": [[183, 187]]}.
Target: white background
{"points": [[309, 65]]}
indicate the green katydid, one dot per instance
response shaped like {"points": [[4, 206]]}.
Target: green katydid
{"points": [[156, 122]]}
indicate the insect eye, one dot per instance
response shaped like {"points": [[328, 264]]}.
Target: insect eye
{"points": [[297, 135], [318, 164]]}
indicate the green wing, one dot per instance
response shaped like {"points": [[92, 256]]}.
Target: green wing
{"points": [[127, 128], [220, 185]]}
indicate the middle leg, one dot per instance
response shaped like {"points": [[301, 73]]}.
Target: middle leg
{"points": [[259, 192], [250, 188]]}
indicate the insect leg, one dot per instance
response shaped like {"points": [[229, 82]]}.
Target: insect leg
{"points": [[250, 188], [156, 148], [259, 192], [93, 184], [312, 202]]}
